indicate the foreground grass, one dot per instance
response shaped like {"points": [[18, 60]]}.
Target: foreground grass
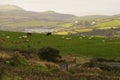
{"points": [[91, 71], [18, 67], [79, 46]]}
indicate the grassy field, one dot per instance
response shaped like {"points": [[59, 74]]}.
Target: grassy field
{"points": [[76, 45], [16, 66], [113, 23], [67, 24]]}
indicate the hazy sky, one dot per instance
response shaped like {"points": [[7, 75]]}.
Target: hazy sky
{"points": [[77, 7]]}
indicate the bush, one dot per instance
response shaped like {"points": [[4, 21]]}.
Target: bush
{"points": [[49, 54], [18, 60]]}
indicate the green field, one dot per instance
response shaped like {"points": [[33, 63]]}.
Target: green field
{"points": [[113, 23], [95, 47]]}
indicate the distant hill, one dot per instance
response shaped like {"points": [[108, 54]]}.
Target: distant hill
{"points": [[116, 16], [92, 17], [9, 8], [15, 18], [98, 17], [12, 10], [56, 15]]}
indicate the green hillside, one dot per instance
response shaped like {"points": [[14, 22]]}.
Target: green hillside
{"points": [[75, 45], [109, 24], [9, 8], [92, 17], [12, 10]]}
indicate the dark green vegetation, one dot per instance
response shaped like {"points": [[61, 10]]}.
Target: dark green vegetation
{"points": [[49, 54], [75, 45]]}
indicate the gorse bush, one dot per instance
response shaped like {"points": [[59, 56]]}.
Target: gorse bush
{"points": [[49, 54]]}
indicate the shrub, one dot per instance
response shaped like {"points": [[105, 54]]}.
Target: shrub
{"points": [[18, 60], [49, 54]]}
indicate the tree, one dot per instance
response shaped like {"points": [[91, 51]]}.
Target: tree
{"points": [[49, 54]]}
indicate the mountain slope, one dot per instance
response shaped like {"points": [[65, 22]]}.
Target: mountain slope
{"points": [[9, 8], [58, 16]]}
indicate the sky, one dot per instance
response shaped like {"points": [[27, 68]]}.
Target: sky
{"points": [[76, 7]]}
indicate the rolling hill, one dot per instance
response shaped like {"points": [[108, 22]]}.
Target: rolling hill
{"points": [[14, 18], [12, 10], [92, 17]]}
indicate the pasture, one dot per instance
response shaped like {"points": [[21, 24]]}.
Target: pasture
{"points": [[68, 44], [109, 24]]}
